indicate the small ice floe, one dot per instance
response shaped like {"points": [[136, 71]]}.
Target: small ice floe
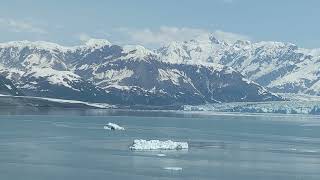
{"points": [[161, 155], [303, 150], [112, 126], [173, 168], [140, 144]]}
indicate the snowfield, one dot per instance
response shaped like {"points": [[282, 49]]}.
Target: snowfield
{"points": [[113, 126], [140, 144]]}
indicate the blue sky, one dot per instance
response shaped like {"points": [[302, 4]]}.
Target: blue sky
{"points": [[152, 23]]}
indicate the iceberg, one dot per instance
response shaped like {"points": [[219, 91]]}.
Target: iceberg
{"points": [[161, 155], [112, 126], [173, 168], [140, 144]]}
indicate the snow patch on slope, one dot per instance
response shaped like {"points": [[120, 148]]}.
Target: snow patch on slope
{"points": [[172, 75], [62, 78], [114, 75]]}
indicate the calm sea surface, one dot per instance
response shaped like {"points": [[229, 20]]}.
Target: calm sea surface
{"points": [[72, 145]]}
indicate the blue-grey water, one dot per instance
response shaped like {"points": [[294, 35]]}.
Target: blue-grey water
{"points": [[74, 146]]}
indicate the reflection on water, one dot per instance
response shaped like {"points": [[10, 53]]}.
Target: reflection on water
{"points": [[72, 144]]}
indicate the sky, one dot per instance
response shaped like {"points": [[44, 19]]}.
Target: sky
{"points": [[153, 23]]}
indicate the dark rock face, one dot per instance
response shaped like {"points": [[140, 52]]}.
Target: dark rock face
{"points": [[7, 87]]}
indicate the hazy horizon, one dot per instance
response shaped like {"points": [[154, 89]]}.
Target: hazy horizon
{"points": [[153, 23]]}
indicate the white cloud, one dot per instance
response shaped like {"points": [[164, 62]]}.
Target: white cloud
{"points": [[20, 26], [162, 35], [83, 37], [165, 34], [229, 37]]}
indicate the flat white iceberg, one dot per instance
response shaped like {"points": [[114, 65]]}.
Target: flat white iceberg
{"points": [[140, 144], [161, 155], [173, 168], [112, 126]]}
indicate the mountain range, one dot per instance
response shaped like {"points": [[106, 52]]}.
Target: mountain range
{"points": [[279, 67], [198, 71]]}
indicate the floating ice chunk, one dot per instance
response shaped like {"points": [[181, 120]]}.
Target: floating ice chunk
{"points": [[112, 126], [304, 150], [161, 155], [140, 144], [173, 168]]}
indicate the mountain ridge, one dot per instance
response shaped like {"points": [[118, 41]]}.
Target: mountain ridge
{"points": [[102, 72], [280, 67]]}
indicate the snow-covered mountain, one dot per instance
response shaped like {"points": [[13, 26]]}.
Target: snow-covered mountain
{"points": [[194, 51], [40, 69], [280, 67], [102, 72]]}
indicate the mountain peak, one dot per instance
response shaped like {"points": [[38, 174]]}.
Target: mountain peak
{"points": [[98, 43], [215, 40], [137, 51], [244, 42], [241, 43], [33, 44]]}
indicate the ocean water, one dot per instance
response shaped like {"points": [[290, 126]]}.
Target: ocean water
{"points": [[73, 145]]}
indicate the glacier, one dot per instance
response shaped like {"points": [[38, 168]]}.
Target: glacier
{"points": [[279, 107]]}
